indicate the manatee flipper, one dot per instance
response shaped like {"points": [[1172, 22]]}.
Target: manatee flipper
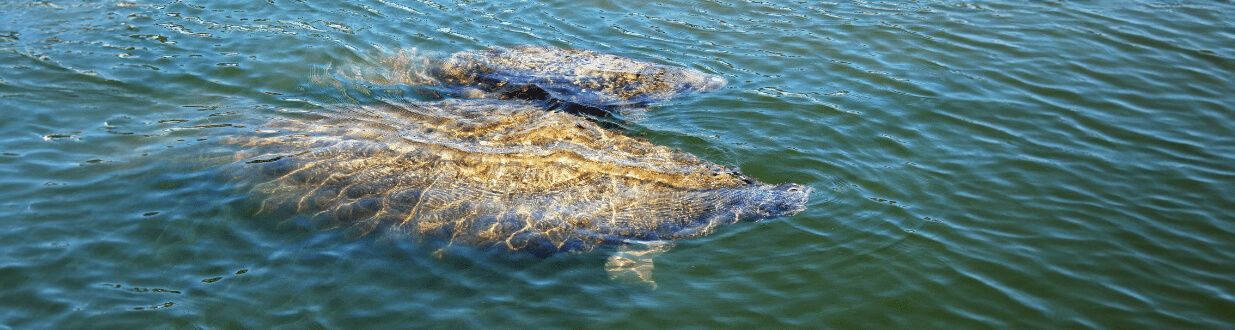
{"points": [[633, 261]]}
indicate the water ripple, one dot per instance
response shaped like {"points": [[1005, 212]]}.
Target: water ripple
{"points": [[988, 164]]}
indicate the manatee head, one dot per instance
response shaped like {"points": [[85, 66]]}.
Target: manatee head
{"points": [[704, 210], [692, 81], [758, 202]]}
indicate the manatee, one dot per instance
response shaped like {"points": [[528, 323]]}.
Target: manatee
{"points": [[577, 77], [493, 174]]}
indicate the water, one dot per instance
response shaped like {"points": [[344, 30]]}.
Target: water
{"points": [[976, 165]]}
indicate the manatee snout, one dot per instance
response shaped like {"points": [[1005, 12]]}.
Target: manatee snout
{"points": [[699, 82], [785, 200], [713, 82], [759, 201]]}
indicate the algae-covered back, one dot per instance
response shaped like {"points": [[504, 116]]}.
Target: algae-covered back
{"points": [[577, 76], [497, 174]]}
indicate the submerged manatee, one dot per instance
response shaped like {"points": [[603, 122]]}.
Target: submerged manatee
{"points": [[498, 174], [580, 77]]}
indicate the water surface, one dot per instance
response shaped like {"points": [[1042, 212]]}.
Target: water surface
{"points": [[976, 165]]}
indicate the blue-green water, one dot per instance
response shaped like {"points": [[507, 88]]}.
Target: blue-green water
{"points": [[976, 165]]}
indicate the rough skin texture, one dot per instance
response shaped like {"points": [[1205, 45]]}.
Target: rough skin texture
{"points": [[500, 174], [581, 77]]}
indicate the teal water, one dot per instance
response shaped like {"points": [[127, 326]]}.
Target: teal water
{"points": [[976, 165]]}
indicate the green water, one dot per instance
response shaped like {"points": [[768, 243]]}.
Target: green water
{"points": [[976, 165]]}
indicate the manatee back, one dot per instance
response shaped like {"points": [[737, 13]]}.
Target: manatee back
{"points": [[577, 76], [488, 174]]}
